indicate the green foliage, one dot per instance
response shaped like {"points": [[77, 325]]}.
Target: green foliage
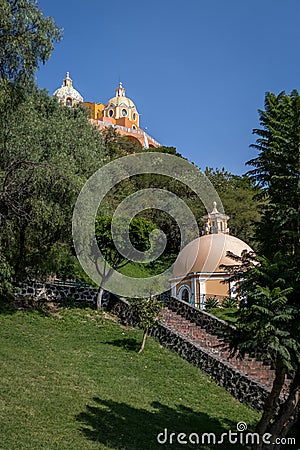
{"points": [[277, 172], [139, 231], [5, 275], [26, 38], [147, 311], [228, 314], [240, 202], [116, 145], [164, 149], [47, 153], [211, 302], [229, 302], [268, 324]]}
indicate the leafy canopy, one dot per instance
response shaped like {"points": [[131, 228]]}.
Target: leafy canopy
{"points": [[26, 38]]}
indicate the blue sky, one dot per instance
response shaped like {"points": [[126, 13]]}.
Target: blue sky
{"points": [[197, 70]]}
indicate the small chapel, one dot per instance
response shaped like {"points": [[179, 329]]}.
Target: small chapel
{"points": [[198, 273]]}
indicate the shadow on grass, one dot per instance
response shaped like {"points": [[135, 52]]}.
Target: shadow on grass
{"points": [[12, 303], [11, 306], [129, 344], [121, 426]]}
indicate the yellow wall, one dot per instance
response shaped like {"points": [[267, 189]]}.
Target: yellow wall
{"points": [[96, 110], [216, 288]]}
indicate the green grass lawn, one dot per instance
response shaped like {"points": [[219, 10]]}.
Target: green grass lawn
{"points": [[140, 270], [74, 381]]}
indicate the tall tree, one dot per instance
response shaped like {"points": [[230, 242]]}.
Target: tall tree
{"points": [[46, 155], [277, 172], [26, 39], [270, 324]]}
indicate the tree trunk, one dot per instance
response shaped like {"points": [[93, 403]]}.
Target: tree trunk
{"points": [[271, 404], [100, 296], [288, 413], [144, 341]]}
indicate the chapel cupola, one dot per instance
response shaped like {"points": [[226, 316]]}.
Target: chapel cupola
{"points": [[215, 222], [121, 110], [120, 91], [67, 94], [67, 81]]}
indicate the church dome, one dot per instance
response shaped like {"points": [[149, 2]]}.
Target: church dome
{"points": [[120, 99], [67, 94], [206, 253]]}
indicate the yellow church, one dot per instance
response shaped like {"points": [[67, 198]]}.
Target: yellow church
{"points": [[119, 112]]}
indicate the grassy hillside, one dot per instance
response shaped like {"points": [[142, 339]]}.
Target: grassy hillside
{"points": [[72, 380]]}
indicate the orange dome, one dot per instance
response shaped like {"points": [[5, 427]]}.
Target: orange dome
{"points": [[206, 253]]}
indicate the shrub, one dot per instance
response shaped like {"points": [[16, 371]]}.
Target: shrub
{"points": [[5, 275], [211, 302], [229, 302]]}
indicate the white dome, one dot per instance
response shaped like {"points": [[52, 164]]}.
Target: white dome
{"points": [[67, 91]]}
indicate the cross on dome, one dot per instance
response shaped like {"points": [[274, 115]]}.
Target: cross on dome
{"points": [[120, 91]]}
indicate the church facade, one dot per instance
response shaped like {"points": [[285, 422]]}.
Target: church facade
{"points": [[119, 112]]}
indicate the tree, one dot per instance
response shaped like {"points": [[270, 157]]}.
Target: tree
{"points": [[139, 231], [240, 202], [47, 152], [26, 39], [268, 327], [270, 323], [277, 172], [147, 312]]}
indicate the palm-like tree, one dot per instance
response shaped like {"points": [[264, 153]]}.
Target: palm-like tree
{"points": [[269, 328]]}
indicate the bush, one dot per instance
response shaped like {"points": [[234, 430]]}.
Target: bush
{"points": [[5, 275], [211, 302], [229, 302]]}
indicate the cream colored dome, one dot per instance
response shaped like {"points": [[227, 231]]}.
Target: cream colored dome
{"points": [[207, 253], [67, 92], [120, 99]]}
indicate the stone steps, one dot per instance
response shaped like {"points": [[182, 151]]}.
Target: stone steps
{"points": [[212, 344]]}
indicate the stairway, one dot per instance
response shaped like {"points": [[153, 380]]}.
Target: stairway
{"points": [[211, 344]]}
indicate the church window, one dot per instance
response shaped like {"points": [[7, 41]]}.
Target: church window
{"points": [[134, 116], [68, 101], [111, 113], [124, 112]]}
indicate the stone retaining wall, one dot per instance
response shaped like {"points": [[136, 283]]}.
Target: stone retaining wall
{"points": [[207, 321], [47, 291]]}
